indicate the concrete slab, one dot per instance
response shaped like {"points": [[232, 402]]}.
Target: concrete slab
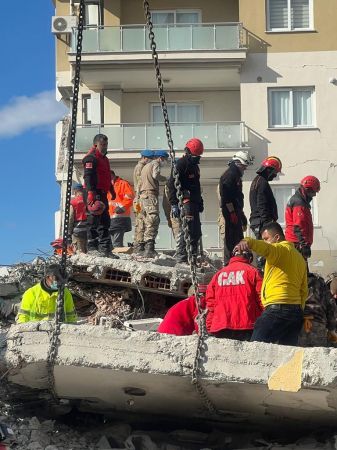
{"points": [[144, 372]]}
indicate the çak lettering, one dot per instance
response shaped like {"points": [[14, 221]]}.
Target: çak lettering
{"points": [[231, 278]]}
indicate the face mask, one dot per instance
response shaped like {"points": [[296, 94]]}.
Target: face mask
{"points": [[195, 160], [272, 176], [54, 286]]}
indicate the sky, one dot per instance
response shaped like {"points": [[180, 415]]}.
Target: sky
{"points": [[28, 114]]}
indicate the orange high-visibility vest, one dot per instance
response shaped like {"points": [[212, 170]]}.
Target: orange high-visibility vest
{"points": [[124, 198]]}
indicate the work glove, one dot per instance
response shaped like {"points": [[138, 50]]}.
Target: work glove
{"points": [[175, 211], [307, 325], [306, 251], [91, 197], [233, 218], [201, 206], [119, 210], [332, 337]]}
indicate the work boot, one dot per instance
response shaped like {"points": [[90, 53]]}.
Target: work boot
{"points": [[149, 250], [181, 254], [139, 248], [108, 254]]}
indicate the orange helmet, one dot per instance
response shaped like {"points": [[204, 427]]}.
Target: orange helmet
{"points": [[311, 182], [195, 146], [273, 162]]}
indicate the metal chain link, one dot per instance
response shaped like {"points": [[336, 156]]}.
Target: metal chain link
{"points": [[191, 259], [59, 314]]}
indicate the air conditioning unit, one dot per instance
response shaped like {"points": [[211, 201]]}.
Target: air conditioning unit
{"points": [[63, 24]]}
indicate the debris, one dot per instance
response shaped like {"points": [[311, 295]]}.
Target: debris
{"points": [[103, 444]]}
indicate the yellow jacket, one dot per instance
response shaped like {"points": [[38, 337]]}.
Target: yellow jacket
{"points": [[37, 304], [285, 273]]}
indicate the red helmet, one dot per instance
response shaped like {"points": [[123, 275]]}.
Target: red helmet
{"points": [[195, 146], [97, 208], [274, 162], [311, 182]]}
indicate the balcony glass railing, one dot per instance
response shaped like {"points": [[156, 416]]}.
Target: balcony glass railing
{"points": [[137, 136], [178, 37]]}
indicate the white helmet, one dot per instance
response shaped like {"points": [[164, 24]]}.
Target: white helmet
{"points": [[243, 157]]}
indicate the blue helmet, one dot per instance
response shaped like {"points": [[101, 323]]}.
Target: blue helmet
{"points": [[161, 154], [147, 153], [77, 187]]}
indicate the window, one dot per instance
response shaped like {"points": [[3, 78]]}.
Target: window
{"points": [[178, 112], [93, 13], [289, 15], [86, 109], [282, 195], [176, 16], [291, 107]]}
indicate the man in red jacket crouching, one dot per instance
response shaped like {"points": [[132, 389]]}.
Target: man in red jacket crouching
{"points": [[233, 299], [180, 319]]}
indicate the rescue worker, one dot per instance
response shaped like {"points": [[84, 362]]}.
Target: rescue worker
{"points": [[97, 178], [40, 301], [298, 218], [78, 220], [261, 198], [181, 318], [233, 299], [148, 191], [139, 244], [193, 204], [320, 314], [284, 289], [120, 209], [230, 187]]}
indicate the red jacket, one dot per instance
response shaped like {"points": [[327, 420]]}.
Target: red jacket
{"points": [[233, 297], [80, 209], [97, 175], [180, 318], [299, 226]]}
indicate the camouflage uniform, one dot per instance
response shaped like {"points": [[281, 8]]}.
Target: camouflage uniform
{"points": [[172, 222], [139, 218], [148, 189], [221, 220], [322, 308]]}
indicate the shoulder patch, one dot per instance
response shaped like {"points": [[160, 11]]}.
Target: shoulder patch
{"points": [[88, 165]]}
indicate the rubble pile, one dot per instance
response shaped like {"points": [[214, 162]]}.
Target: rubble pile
{"points": [[90, 433]]}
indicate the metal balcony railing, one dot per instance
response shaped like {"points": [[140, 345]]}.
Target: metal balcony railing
{"points": [[175, 37], [137, 136]]}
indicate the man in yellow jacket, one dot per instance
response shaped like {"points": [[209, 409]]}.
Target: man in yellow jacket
{"points": [[40, 301], [284, 288]]}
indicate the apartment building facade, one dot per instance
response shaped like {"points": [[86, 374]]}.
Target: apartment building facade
{"points": [[238, 74]]}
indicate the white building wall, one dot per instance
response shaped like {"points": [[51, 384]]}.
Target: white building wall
{"points": [[303, 152]]}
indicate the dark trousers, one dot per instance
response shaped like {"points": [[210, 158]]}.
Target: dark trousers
{"points": [[279, 324], [233, 235], [238, 335], [98, 228], [194, 228]]}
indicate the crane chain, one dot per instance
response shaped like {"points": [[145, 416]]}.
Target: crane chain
{"points": [[59, 313], [184, 222]]}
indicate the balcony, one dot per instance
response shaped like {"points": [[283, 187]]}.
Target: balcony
{"points": [[137, 136], [169, 38]]}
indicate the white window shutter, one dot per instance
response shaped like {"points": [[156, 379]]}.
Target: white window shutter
{"points": [[300, 14], [95, 108], [278, 14]]}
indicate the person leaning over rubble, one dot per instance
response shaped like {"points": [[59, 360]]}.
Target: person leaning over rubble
{"points": [[97, 178], [320, 314], [148, 188], [120, 209], [40, 301], [298, 218], [180, 319], [230, 188], [233, 299], [193, 204], [139, 244], [284, 288], [78, 220]]}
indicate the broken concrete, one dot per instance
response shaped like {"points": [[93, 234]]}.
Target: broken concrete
{"points": [[142, 372]]}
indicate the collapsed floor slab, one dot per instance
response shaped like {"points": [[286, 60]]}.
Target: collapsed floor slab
{"points": [[112, 370]]}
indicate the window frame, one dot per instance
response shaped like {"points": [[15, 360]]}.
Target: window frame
{"points": [[294, 187], [175, 11], [86, 105], [289, 29], [291, 90], [175, 104]]}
